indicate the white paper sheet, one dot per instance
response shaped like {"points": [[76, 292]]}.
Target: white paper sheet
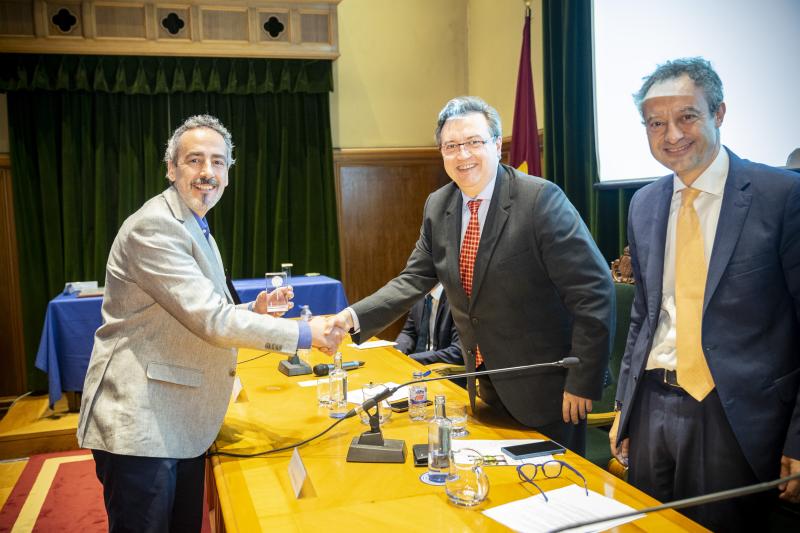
{"points": [[567, 505], [356, 396], [372, 344]]}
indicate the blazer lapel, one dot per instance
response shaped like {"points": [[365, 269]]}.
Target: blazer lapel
{"points": [[735, 205], [657, 238], [452, 223], [496, 220], [182, 212], [218, 265]]}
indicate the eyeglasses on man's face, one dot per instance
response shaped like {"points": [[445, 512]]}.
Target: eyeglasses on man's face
{"points": [[472, 146], [550, 469]]}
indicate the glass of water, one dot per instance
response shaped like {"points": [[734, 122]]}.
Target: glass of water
{"points": [[457, 413], [276, 303], [323, 391], [370, 390]]}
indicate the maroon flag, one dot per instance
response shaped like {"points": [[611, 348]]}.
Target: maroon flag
{"points": [[525, 133]]}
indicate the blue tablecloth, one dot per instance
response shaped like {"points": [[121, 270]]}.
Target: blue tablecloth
{"points": [[70, 323]]}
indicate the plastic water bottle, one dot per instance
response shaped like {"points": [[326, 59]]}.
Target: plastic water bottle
{"points": [[439, 430], [303, 353], [338, 380], [417, 398]]}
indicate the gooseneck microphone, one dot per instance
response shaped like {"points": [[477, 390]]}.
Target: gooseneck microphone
{"points": [[324, 370], [567, 362], [688, 502]]}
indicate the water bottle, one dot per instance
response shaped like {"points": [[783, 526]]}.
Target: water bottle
{"points": [[417, 398], [303, 353], [439, 430], [338, 381]]}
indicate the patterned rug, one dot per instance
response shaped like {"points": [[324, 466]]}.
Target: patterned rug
{"points": [[58, 492]]}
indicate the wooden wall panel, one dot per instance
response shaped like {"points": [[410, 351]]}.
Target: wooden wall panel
{"points": [[380, 195], [12, 349]]}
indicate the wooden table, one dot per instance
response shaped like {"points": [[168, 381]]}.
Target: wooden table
{"points": [[255, 494]]}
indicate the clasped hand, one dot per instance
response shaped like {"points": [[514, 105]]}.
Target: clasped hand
{"points": [[327, 333]]}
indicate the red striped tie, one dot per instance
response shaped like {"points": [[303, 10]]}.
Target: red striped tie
{"points": [[469, 250]]}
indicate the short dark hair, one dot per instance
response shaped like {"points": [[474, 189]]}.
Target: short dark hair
{"points": [[198, 121], [699, 71], [465, 105]]}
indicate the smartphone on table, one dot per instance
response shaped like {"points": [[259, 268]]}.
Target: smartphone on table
{"points": [[533, 449]]}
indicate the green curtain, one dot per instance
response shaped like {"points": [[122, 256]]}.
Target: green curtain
{"points": [[569, 150], [87, 141]]}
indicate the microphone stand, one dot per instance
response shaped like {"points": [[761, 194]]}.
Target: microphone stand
{"points": [[371, 447], [688, 502]]}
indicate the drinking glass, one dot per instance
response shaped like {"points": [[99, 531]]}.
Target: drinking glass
{"points": [[323, 391], [457, 413], [466, 485], [274, 281], [384, 411]]}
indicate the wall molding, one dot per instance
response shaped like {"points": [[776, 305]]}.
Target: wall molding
{"points": [[300, 29]]}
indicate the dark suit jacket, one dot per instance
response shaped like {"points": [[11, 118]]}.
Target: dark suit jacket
{"points": [[444, 337], [750, 330], [541, 291]]}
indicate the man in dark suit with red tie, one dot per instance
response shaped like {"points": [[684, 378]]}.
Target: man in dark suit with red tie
{"points": [[524, 279]]}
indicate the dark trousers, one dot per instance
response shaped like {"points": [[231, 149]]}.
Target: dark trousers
{"points": [[680, 448], [569, 435], [150, 494]]}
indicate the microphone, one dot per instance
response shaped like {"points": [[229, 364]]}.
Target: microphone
{"points": [[688, 502], [324, 370], [567, 362]]}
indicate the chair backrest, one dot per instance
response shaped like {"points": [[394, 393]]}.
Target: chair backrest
{"points": [[624, 293]]}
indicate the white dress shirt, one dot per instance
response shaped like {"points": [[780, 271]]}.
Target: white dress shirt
{"points": [[436, 296], [711, 184]]}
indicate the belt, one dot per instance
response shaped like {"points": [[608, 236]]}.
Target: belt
{"points": [[664, 376]]}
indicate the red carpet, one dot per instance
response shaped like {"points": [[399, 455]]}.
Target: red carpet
{"points": [[58, 492]]}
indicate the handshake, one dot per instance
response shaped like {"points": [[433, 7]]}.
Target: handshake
{"points": [[327, 333]]}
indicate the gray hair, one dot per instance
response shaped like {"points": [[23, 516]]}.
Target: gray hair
{"points": [[697, 68], [198, 121], [465, 105]]}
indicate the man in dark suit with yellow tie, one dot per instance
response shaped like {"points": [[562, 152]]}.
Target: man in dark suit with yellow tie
{"points": [[708, 387], [525, 281]]}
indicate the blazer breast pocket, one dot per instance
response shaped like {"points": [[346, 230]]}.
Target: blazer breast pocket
{"points": [[787, 386], [760, 263], [179, 375], [519, 260]]}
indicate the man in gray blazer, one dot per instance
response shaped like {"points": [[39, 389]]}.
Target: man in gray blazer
{"points": [[164, 360], [525, 281]]}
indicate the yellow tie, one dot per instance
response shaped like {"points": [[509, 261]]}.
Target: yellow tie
{"points": [[690, 281]]}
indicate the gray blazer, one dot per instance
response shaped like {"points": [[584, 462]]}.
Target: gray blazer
{"points": [[164, 359], [541, 291]]}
